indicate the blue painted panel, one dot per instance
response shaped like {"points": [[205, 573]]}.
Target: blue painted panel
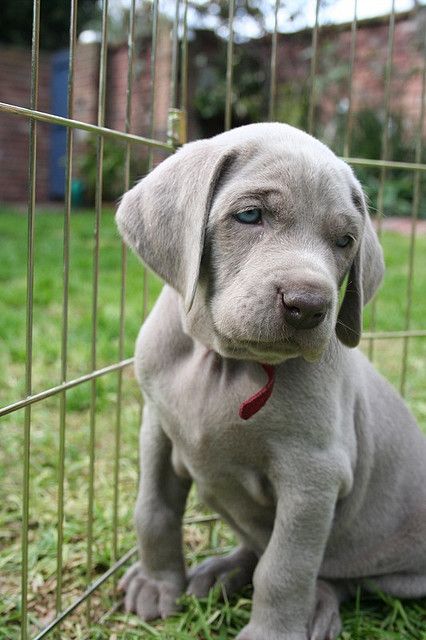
{"points": [[58, 140]]}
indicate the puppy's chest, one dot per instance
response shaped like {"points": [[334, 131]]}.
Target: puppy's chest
{"points": [[198, 397]]}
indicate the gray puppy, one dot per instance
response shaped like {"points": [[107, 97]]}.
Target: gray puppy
{"points": [[253, 391]]}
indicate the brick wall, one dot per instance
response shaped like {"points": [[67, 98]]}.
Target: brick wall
{"points": [[368, 85], [141, 87], [294, 63], [370, 70], [86, 72], [15, 88], [86, 95], [15, 79], [407, 67], [293, 66]]}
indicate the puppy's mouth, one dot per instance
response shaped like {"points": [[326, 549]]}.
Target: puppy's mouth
{"points": [[272, 352], [269, 352]]}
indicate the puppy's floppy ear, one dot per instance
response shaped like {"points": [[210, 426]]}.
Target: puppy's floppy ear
{"points": [[164, 217], [364, 278]]}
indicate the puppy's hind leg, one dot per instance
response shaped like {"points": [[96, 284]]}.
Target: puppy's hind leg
{"points": [[398, 585], [233, 572]]}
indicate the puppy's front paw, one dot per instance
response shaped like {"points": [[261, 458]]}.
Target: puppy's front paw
{"points": [[255, 632], [149, 598], [325, 623]]}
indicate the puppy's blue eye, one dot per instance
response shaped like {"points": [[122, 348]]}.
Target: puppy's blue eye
{"points": [[344, 241], [251, 216]]}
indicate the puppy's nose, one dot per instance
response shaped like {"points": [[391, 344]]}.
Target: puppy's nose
{"points": [[304, 310]]}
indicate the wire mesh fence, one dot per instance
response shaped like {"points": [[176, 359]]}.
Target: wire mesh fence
{"points": [[109, 460]]}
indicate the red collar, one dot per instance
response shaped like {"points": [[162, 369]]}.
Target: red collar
{"points": [[253, 404]]}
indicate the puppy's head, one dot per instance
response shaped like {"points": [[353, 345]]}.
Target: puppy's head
{"points": [[258, 229]]}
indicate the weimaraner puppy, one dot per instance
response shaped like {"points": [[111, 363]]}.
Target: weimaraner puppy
{"points": [[253, 388]]}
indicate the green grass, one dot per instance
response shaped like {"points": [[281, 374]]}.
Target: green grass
{"points": [[365, 618]]}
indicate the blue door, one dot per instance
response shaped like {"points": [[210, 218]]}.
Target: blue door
{"points": [[58, 147]]}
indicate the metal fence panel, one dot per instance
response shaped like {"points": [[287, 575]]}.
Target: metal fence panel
{"points": [[179, 106]]}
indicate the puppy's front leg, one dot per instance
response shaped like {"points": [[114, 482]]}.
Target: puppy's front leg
{"points": [[286, 575], [154, 583]]}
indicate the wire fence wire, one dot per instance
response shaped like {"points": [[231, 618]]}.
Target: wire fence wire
{"points": [[179, 97]]}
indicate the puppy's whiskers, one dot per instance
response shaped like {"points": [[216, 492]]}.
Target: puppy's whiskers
{"points": [[345, 326]]}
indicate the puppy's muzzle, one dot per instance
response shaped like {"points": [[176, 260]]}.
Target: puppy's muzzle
{"points": [[304, 310]]}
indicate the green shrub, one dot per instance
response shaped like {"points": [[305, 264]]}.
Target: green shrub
{"points": [[366, 142], [114, 162]]}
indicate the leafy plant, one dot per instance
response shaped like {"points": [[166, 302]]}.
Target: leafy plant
{"points": [[366, 142], [249, 98], [113, 169], [293, 104]]}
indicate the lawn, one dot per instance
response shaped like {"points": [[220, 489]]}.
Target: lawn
{"points": [[373, 618]]}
